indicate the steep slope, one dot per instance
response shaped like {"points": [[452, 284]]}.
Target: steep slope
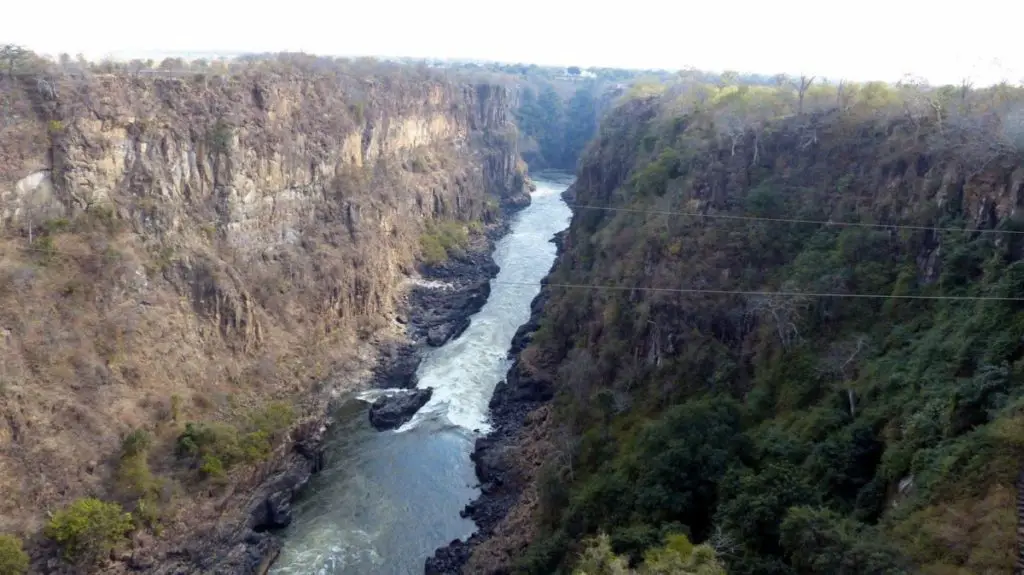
{"points": [[796, 433], [223, 250]]}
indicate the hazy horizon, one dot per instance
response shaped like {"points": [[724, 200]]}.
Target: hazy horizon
{"points": [[879, 41]]}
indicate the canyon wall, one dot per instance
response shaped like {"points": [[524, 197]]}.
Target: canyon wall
{"points": [[695, 390], [187, 249]]}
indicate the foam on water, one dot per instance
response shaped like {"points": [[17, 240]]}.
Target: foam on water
{"points": [[386, 500], [464, 372]]}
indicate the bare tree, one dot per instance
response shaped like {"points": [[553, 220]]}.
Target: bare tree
{"points": [[728, 78], [965, 89], [801, 91], [723, 543], [733, 125], [843, 96], [840, 364], [566, 443], [782, 312], [976, 140], [136, 67]]}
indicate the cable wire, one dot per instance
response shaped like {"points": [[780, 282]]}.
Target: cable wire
{"points": [[758, 293], [793, 220], [682, 290]]}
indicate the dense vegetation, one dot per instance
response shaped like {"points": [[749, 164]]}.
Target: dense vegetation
{"points": [[13, 559], [676, 557], [557, 130], [88, 529], [792, 433]]}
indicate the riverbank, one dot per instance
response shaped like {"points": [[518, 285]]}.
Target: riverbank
{"points": [[436, 308], [503, 466]]}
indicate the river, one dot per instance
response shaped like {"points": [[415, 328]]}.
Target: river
{"points": [[386, 500]]}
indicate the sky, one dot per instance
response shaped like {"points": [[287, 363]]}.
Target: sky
{"points": [[943, 42]]}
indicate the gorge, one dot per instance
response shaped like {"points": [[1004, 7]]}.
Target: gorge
{"points": [[385, 500], [200, 264], [296, 314]]}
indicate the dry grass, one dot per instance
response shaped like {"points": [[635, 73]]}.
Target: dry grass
{"points": [[92, 348]]}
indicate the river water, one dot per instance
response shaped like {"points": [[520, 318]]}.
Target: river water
{"points": [[387, 500]]}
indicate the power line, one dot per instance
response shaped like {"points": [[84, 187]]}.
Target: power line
{"points": [[759, 293], [792, 220], [682, 290]]}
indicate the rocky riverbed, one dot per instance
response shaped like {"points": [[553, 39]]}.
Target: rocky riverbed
{"points": [[438, 306], [519, 394], [385, 500]]}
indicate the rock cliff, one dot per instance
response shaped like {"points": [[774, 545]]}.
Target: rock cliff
{"points": [[187, 248]]}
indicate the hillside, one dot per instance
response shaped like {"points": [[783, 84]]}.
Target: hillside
{"points": [[192, 265], [818, 433]]}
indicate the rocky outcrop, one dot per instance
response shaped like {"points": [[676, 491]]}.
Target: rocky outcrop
{"points": [[220, 241], [391, 411]]}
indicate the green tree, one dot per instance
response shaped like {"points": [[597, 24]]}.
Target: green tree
{"points": [[819, 541], [677, 556], [551, 139], [573, 70], [680, 557], [679, 460], [580, 124], [13, 559], [598, 558], [88, 529], [754, 504]]}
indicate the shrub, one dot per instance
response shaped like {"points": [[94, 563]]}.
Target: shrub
{"points": [[13, 559], [134, 476], [56, 225], [358, 111], [273, 419], [442, 240], [220, 136], [89, 529], [136, 442], [433, 251], [44, 249], [212, 467], [219, 446], [175, 407]]}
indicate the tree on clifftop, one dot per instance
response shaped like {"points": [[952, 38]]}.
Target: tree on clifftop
{"points": [[12, 56]]}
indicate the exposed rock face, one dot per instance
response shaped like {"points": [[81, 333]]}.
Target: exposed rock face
{"points": [[216, 239], [391, 411]]}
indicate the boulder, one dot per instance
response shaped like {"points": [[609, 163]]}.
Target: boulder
{"points": [[438, 335], [389, 412]]}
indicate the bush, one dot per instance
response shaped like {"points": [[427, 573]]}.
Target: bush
{"points": [[433, 251], [217, 447], [442, 240], [13, 559], [88, 529], [136, 442], [134, 476], [212, 467], [220, 136]]}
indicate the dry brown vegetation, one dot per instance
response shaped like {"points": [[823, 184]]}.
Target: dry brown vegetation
{"points": [[202, 246]]}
